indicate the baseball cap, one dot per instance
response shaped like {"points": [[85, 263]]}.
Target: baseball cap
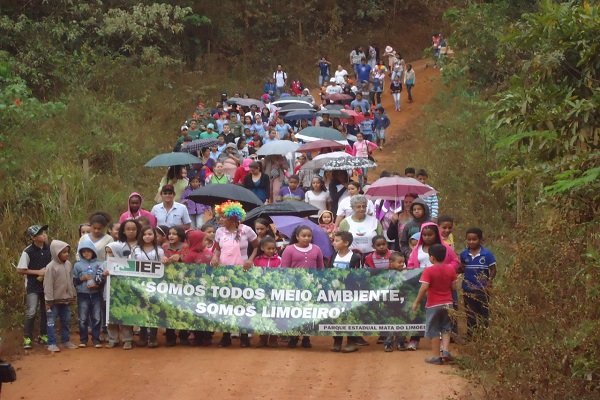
{"points": [[416, 236], [167, 188], [210, 126], [184, 128], [35, 230], [332, 80]]}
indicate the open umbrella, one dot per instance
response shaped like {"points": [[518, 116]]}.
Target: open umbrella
{"points": [[319, 161], [298, 115], [288, 100], [344, 163], [281, 147], [287, 225], [321, 132], [358, 118], [296, 107], [168, 159], [246, 102], [395, 188], [199, 144], [334, 113], [219, 193], [319, 144], [337, 97], [330, 107], [290, 208]]}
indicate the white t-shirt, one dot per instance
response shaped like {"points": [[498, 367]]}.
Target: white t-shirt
{"points": [[332, 89], [339, 76], [423, 258], [280, 77], [345, 210], [342, 262], [317, 200]]}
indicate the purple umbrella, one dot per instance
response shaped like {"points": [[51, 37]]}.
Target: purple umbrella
{"points": [[286, 225]]}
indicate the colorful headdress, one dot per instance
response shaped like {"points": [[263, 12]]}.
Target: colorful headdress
{"points": [[231, 209]]}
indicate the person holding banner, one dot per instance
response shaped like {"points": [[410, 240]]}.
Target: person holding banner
{"points": [[231, 248]]}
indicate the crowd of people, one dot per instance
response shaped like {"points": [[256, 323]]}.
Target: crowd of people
{"points": [[380, 234]]}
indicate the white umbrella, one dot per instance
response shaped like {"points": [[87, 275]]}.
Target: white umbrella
{"points": [[322, 159], [281, 147]]}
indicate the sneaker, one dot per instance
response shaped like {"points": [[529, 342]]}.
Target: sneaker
{"points": [[273, 342], [306, 343], [263, 341], [350, 348], [127, 346], [337, 347], [82, 345], [434, 360], [388, 348], [361, 341], [225, 342], [447, 357], [152, 344], [43, 339], [412, 346], [27, 343], [111, 345], [69, 345], [97, 345], [292, 342], [401, 346], [53, 348], [381, 340]]}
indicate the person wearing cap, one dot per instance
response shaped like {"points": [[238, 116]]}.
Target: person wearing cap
{"points": [[333, 88], [208, 119], [32, 265], [210, 132], [235, 126], [242, 171], [391, 55], [170, 212], [183, 132], [230, 158]]}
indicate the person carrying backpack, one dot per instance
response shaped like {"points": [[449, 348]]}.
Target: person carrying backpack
{"points": [[280, 80]]}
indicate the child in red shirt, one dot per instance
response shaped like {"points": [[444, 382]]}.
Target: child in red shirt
{"points": [[438, 282], [380, 258], [267, 257]]}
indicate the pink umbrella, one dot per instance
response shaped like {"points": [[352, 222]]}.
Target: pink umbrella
{"points": [[320, 144], [395, 188], [358, 118]]}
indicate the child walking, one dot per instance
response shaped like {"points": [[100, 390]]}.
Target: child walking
{"points": [[438, 282], [148, 250], [89, 297], [267, 257], [59, 293], [302, 253], [344, 258], [32, 265]]}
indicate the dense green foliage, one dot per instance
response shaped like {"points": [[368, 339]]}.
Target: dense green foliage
{"points": [[536, 68], [132, 303]]}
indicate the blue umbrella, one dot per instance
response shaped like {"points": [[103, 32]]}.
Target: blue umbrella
{"points": [[287, 225], [168, 159], [298, 115]]}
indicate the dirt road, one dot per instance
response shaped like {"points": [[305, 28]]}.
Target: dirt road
{"points": [[197, 373]]}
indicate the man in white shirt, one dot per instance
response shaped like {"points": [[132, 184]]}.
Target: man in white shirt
{"points": [[333, 88], [280, 80], [170, 212]]}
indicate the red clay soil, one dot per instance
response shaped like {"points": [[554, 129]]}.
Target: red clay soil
{"points": [[213, 373]]}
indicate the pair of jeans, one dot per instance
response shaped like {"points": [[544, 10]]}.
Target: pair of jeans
{"points": [[34, 302], [323, 79], [63, 313], [396, 97], [477, 308], [197, 220], [409, 87], [90, 310]]}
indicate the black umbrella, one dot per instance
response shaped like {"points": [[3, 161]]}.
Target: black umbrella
{"points": [[214, 194], [291, 208], [199, 144]]}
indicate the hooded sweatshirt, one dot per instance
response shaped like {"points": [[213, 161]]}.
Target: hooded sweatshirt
{"points": [[140, 213], [410, 229], [451, 258], [80, 268], [197, 254], [58, 280], [117, 250]]}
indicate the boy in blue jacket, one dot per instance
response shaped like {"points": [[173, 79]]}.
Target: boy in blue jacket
{"points": [[89, 296]]}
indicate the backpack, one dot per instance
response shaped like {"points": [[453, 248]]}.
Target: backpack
{"points": [[275, 76]]}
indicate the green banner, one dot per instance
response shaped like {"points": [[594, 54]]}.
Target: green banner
{"points": [[263, 300]]}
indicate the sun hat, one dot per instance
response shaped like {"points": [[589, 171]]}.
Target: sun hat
{"points": [[389, 49]]}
